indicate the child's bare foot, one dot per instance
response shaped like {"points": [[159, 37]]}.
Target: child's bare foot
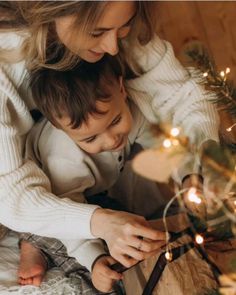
{"points": [[32, 265]]}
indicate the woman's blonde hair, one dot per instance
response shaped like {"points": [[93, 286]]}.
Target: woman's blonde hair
{"points": [[42, 47]]}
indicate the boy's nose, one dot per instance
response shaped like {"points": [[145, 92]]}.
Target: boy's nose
{"points": [[111, 141], [109, 42]]}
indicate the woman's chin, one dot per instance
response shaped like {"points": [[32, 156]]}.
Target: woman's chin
{"points": [[92, 57]]}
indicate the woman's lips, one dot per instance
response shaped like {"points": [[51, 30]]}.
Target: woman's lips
{"points": [[97, 54]]}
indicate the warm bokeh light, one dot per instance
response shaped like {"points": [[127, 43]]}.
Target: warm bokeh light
{"points": [[175, 142], [230, 128], [199, 239], [174, 131], [167, 143], [193, 197], [168, 255]]}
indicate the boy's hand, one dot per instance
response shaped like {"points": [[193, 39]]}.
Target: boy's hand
{"points": [[103, 277], [122, 234]]}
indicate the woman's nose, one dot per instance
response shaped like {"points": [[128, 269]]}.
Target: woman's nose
{"points": [[109, 42]]}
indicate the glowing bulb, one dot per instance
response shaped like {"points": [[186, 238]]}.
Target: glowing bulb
{"points": [[199, 239], [167, 143], [205, 74], [193, 197], [168, 255], [222, 73], [174, 131], [230, 128], [227, 70], [175, 142]]}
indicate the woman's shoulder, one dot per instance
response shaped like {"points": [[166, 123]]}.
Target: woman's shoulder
{"points": [[149, 55], [11, 40]]}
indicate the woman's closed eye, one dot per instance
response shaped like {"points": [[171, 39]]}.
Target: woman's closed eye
{"points": [[96, 34]]}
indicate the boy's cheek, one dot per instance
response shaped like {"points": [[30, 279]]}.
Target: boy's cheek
{"points": [[90, 148]]}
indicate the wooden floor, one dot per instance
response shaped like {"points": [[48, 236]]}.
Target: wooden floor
{"points": [[212, 23]]}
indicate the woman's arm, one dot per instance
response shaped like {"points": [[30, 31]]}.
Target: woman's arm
{"points": [[167, 92], [27, 204]]}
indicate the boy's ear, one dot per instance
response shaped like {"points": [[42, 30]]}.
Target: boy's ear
{"points": [[122, 87]]}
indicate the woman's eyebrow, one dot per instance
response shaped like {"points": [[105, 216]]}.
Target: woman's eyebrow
{"points": [[108, 29]]}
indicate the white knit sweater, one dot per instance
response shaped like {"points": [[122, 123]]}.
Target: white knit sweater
{"points": [[165, 90]]}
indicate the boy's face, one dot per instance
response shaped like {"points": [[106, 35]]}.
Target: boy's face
{"points": [[105, 132]]}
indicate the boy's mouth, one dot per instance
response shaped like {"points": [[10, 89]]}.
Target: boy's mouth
{"points": [[118, 146]]}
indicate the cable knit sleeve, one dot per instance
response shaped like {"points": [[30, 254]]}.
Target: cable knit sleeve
{"points": [[27, 204], [167, 92]]}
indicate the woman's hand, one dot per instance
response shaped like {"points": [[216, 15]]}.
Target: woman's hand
{"points": [[129, 237]]}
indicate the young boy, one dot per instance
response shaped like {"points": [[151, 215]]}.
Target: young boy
{"points": [[82, 148]]}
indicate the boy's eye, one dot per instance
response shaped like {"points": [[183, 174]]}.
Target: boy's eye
{"points": [[91, 139], [116, 121]]}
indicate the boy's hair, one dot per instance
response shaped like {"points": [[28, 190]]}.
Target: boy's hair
{"points": [[74, 93]]}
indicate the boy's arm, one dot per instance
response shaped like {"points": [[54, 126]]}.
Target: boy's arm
{"points": [[85, 251]]}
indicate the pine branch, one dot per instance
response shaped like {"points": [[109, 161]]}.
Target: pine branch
{"points": [[208, 76]]}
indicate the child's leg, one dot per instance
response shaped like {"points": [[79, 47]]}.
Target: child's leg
{"points": [[54, 253], [33, 265]]}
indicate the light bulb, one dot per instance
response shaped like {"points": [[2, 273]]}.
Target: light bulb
{"points": [[167, 143], [168, 255], [193, 197], [199, 239], [205, 74], [222, 73], [174, 131], [230, 128]]}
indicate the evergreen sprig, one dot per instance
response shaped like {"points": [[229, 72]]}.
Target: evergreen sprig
{"points": [[224, 89]]}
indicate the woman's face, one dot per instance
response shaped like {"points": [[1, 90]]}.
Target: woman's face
{"points": [[114, 24]]}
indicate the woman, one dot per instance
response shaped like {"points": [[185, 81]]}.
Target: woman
{"points": [[40, 32]]}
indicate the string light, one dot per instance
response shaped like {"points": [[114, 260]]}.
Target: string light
{"points": [[167, 143], [168, 255], [174, 132], [227, 71], [193, 197], [231, 127], [205, 74], [222, 73], [199, 239]]}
